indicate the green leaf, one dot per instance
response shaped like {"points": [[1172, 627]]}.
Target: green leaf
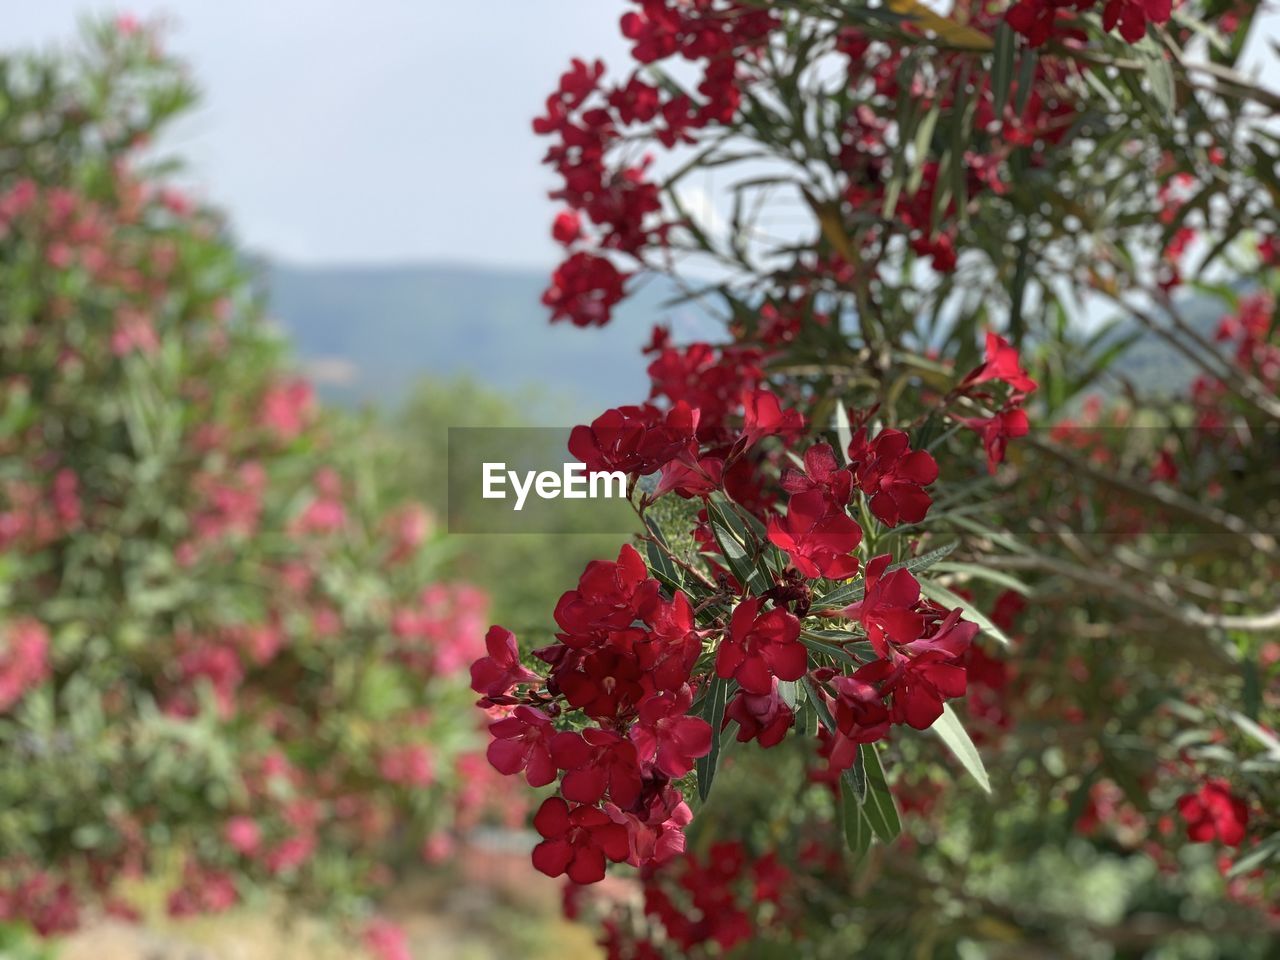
{"points": [[945, 597], [735, 555], [713, 712], [879, 807], [844, 431], [920, 147], [978, 571], [1265, 850], [852, 591], [954, 735], [857, 829], [1026, 80], [1159, 77], [662, 567], [820, 645], [1002, 67], [1259, 733]]}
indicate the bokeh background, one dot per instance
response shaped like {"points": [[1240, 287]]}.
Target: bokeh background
{"points": [[381, 178]]}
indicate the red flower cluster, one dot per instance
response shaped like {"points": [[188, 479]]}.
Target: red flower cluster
{"points": [[588, 119], [700, 902], [585, 289], [627, 647], [892, 476], [1039, 20], [624, 659], [1010, 421], [636, 440], [1214, 813], [919, 648], [24, 659]]}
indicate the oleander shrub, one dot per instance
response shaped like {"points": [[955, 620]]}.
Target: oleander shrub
{"points": [[229, 663], [916, 486]]}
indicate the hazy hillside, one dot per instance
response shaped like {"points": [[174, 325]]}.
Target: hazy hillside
{"points": [[366, 333]]}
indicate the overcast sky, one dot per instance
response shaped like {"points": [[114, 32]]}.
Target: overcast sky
{"points": [[388, 130], [392, 130]]}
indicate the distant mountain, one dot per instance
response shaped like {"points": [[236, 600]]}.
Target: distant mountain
{"points": [[1152, 365], [366, 333]]}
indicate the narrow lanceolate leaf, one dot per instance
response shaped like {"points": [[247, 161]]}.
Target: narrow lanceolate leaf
{"points": [[855, 778], [955, 33], [920, 148], [1026, 78], [844, 431], [925, 560], [1259, 733], [879, 808], [852, 592], [819, 705], [1266, 850], [841, 596], [739, 562], [1002, 67], [825, 647], [661, 565], [978, 571], [945, 597], [787, 691], [857, 829], [713, 712], [1159, 76], [954, 735]]}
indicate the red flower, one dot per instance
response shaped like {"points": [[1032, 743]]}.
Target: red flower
{"points": [[567, 227], [690, 479], [668, 656], [818, 536], [1132, 16], [997, 431], [860, 715], [584, 289], [1035, 19], [764, 717], [1002, 364], [710, 379], [598, 762], [887, 610], [1007, 608], [758, 649], [636, 440], [917, 686], [665, 737], [523, 741], [892, 475], [577, 841], [496, 674], [951, 635], [655, 825], [821, 472], [763, 416], [610, 596], [1214, 813], [607, 684]]}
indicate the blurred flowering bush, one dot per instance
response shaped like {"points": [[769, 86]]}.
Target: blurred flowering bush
{"points": [[914, 487], [224, 660]]}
